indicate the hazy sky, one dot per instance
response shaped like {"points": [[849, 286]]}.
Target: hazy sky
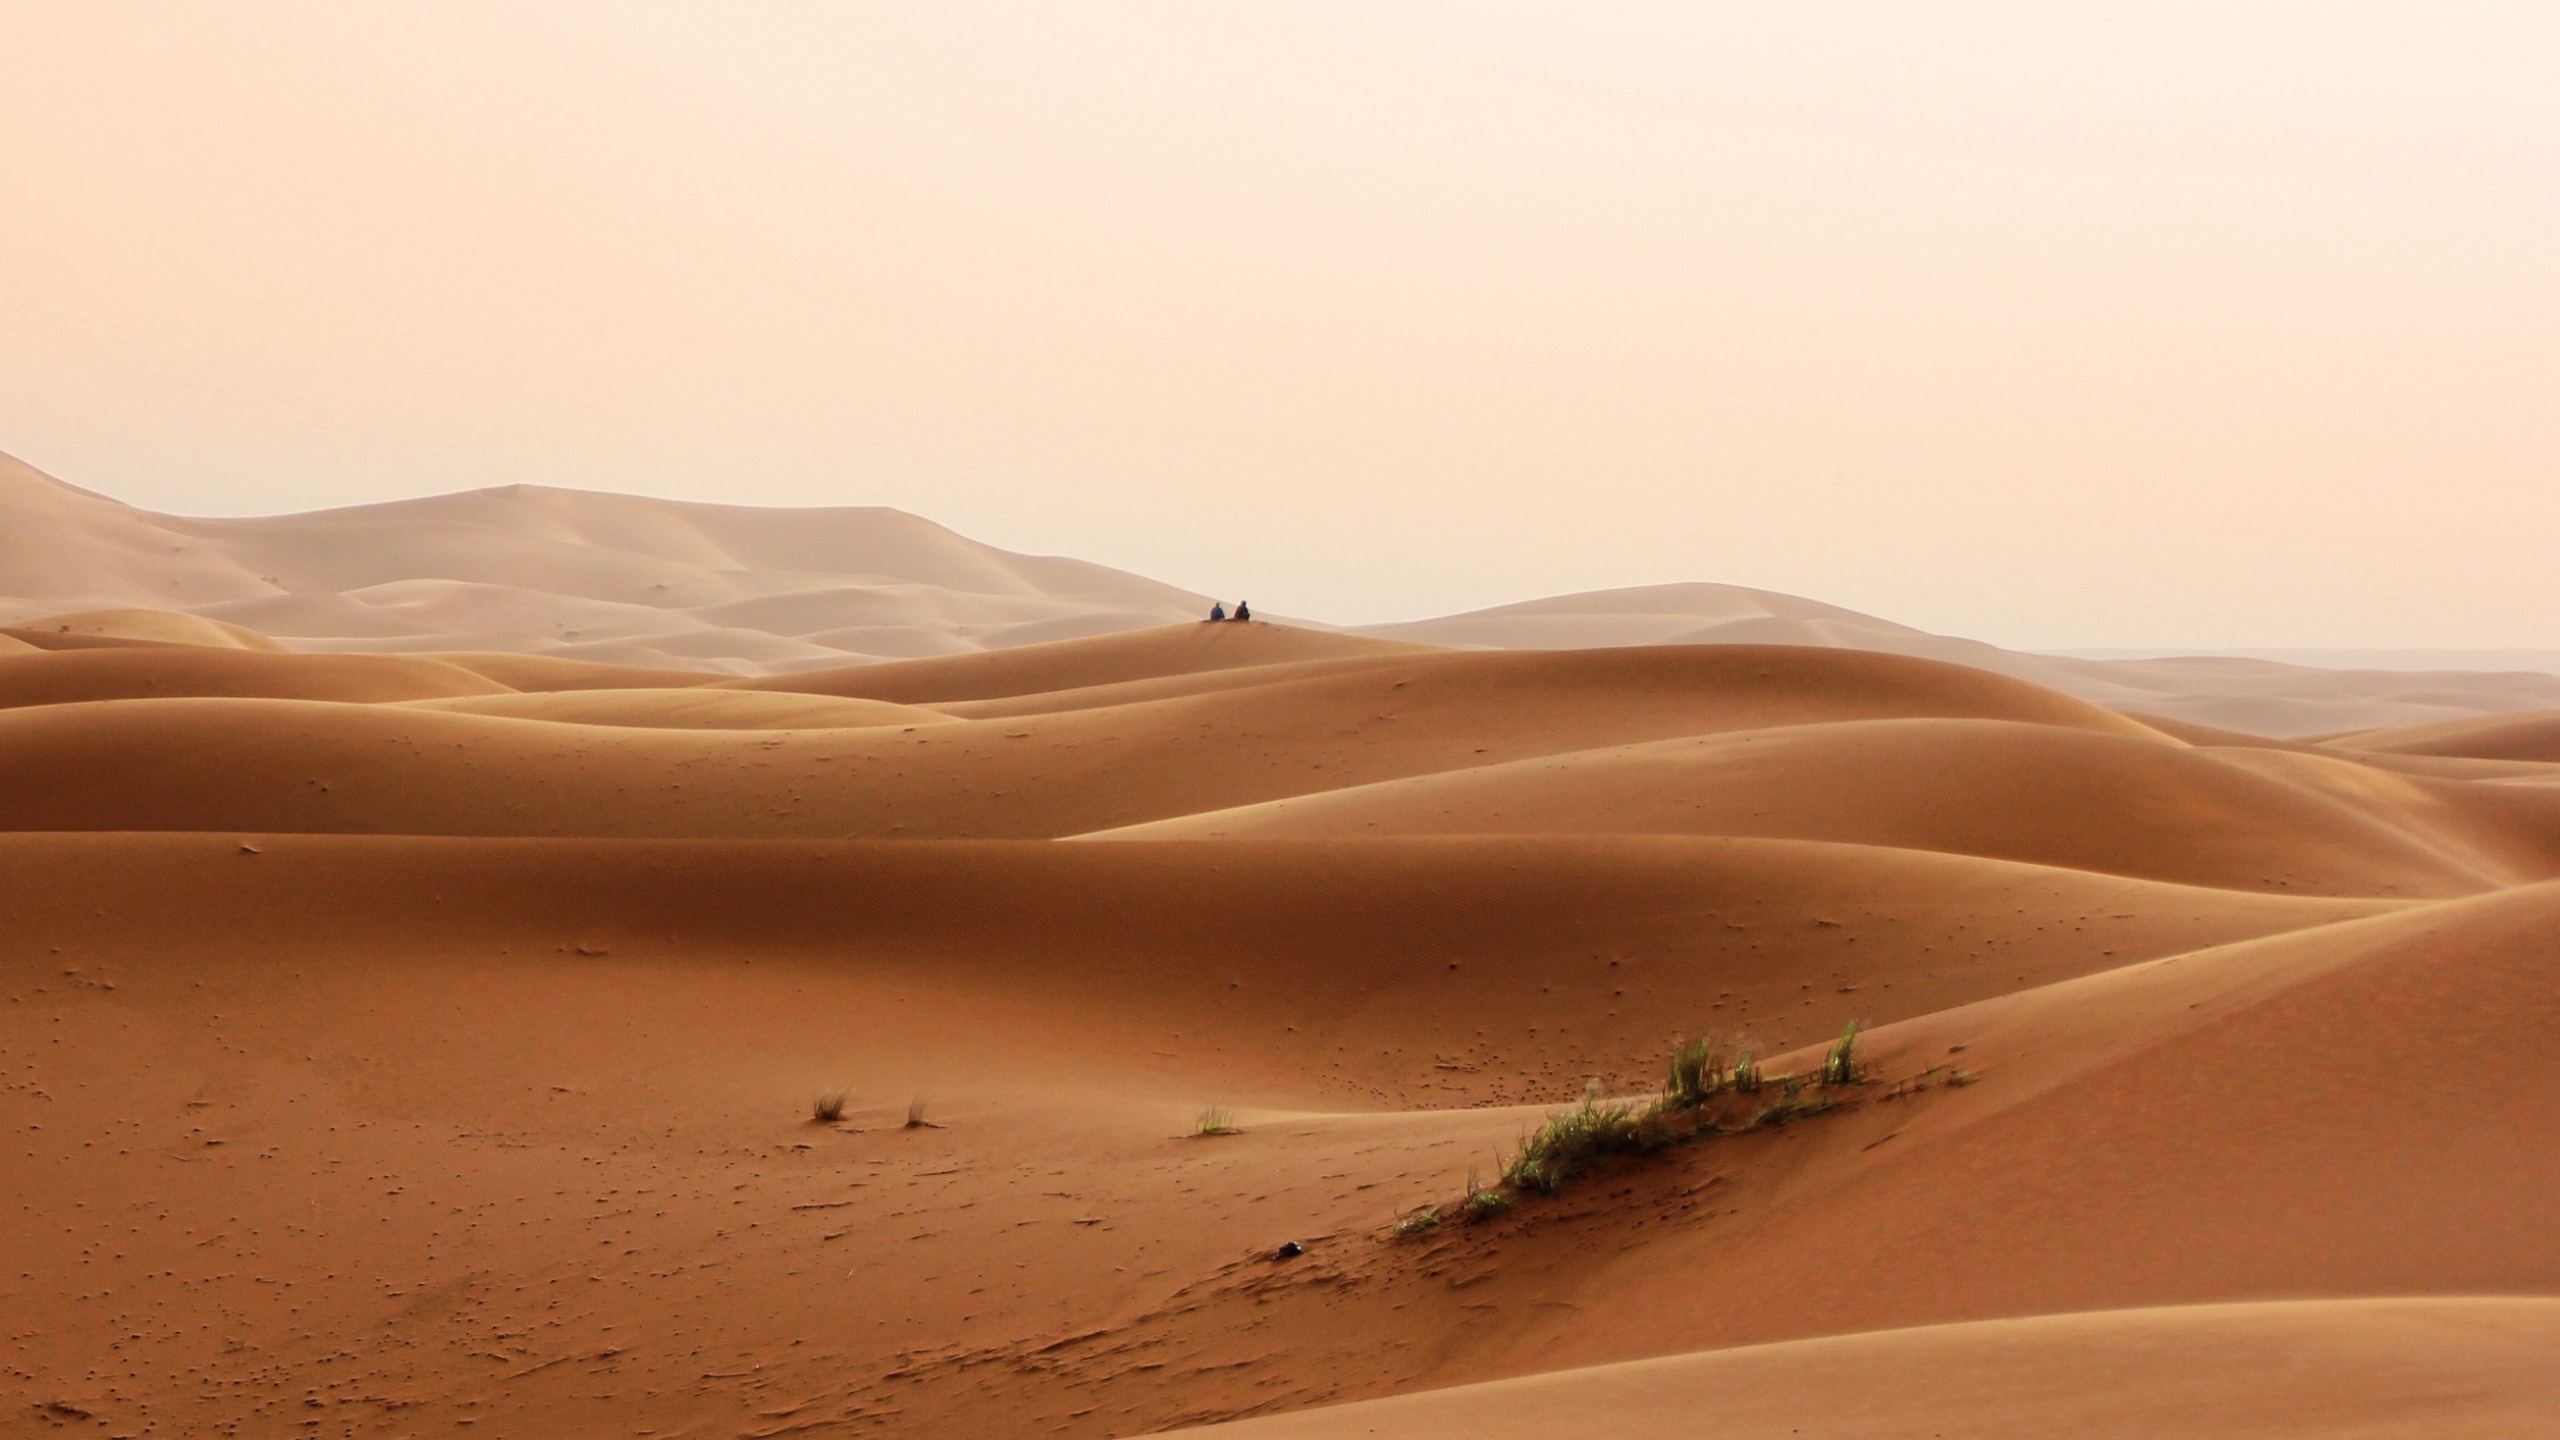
{"points": [[2052, 324]]}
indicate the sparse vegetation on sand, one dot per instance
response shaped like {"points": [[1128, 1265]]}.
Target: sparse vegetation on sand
{"points": [[1419, 1222], [1216, 1120], [1696, 1075], [1840, 1067], [828, 1108], [915, 1116]]}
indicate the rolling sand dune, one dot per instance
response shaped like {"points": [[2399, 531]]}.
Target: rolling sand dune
{"points": [[2035, 793], [689, 709], [1176, 650], [711, 590], [288, 765], [75, 676], [2473, 1367], [2259, 696], [2534, 736], [452, 1067], [424, 1042], [612, 578]]}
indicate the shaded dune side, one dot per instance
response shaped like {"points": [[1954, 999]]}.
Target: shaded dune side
{"points": [[160, 671], [2364, 1368], [1162, 650], [1455, 970], [2033, 793], [2534, 735], [140, 765]]}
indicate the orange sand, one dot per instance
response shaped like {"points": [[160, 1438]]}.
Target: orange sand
{"points": [[399, 1043]]}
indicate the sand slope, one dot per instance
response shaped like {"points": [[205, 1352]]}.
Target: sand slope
{"points": [[2038, 793], [137, 765], [2531, 736], [410, 1043], [2341, 1368], [584, 575], [714, 589], [155, 672]]}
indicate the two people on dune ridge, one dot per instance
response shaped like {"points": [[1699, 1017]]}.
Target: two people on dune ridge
{"points": [[1218, 610]]}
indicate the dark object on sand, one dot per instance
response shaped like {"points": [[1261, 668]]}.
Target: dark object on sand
{"points": [[1289, 1251], [1244, 610]]}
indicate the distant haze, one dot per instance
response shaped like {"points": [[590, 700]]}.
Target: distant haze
{"points": [[2168, 326]]}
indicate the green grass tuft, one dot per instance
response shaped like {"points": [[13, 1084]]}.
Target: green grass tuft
{"points": [[1570, 1143], [1420, 1222], [1840, 1067], [1693, 1075], [1216, 1120]]}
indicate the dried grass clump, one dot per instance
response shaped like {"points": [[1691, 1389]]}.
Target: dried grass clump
{"points": [[828, 1108], [915, 1116]]}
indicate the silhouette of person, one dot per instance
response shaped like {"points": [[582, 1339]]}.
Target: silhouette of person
{"points": [[1244, 610], [1217, 610]]}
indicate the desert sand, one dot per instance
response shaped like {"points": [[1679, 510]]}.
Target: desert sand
{"points": [[430, 1041], [701, 592]]}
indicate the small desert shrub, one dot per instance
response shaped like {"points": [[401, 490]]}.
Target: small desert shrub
{"points": [[915, 1115], [1485, 1204], [1419, 1222], [1569, 1143], [1216, 1120], [1693, 1075], [1840, 1067], [1746, 1071], [828, 1108]]}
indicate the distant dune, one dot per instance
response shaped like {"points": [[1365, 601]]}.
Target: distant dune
{"points": [[1141, 1030], [659, 584]]}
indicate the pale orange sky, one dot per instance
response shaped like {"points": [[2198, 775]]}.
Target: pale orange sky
{"points": [[2051, 324]]}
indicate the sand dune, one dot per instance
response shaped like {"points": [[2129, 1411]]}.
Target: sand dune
{"points": [[688, 709], [2041, 794], [1177, 650], [2533, 736], [292, 765], [162, 627], [2362, 1368], [630, 581], [611, 578], [404, 1042], [2252, 695], [152, 672]]}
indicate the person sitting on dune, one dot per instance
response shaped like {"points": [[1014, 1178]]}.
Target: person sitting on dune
{"points": [[1244, 609], [1217, 610]]}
